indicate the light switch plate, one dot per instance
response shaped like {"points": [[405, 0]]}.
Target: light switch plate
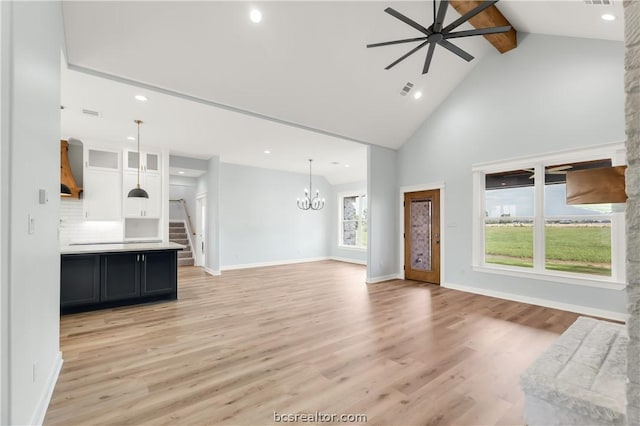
{"points": [[42, 196], [32, 224]]}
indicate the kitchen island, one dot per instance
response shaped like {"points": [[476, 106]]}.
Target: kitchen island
{"points": [[98, 276]]}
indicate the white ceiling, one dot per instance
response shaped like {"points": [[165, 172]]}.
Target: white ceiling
{"points": [[572, 18], [305, 63], [198, 130]]}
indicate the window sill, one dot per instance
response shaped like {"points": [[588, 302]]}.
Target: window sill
{"points": [[353, 248], [547, 276]]}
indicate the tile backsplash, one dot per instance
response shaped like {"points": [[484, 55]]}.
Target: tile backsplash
{"points": [[75, 229]]}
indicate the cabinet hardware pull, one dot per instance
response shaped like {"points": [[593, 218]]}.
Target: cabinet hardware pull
{"points": [[137, 258], [143, 257]]}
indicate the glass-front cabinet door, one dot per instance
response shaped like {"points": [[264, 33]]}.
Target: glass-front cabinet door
{"points": [[149, 161]]}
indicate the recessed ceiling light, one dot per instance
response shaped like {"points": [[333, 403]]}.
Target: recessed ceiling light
{"points": [[346, 165], [180, 172], [335, 163], [608, 17], [266, 151], [141, 98], [417, 95], [131, 138], [255, 16]]}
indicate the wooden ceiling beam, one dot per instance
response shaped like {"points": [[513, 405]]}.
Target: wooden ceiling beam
{"points": [[490, 17]]}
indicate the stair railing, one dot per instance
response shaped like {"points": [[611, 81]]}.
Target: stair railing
{"points": [[190, 230], [186, 213]]}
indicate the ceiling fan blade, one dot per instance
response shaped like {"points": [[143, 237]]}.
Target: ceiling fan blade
{"points": [[559, 168], [464, 18], [427, 61], [406, 55], [481, 31], [407, 21], [455, 49], [406, 40], [442, 11]]}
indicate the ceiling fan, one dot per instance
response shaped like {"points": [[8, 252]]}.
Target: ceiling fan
{"points": [[437, 33], [557, 170]]}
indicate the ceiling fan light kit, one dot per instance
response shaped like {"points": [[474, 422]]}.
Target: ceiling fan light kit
{"points": [[439, 34]]}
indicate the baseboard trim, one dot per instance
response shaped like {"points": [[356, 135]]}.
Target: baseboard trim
{"points": [[274, 263], [347, 260], [374, 280], [579, 309], [43, 404], [211, 271]]}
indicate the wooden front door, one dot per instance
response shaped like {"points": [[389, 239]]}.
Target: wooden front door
{"points": [[422, 236]]}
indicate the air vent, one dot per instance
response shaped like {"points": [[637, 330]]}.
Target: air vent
{"points": [[599, 2], [91, 113], [406, 89]]}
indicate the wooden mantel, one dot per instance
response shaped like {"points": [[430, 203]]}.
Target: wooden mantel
{"points": [[490, 17]]}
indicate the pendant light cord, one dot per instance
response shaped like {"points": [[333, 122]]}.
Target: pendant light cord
{"points": [[138, 122]]}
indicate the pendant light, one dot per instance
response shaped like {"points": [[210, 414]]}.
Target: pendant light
{"points": [[309, 202], [138, 192]]}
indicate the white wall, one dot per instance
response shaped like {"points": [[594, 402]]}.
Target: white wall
{"points": [[201, 185], [31, 138], [549, 94], [382, 194], [181, 187], [340, 252], [211, 182], [260, 221], [4, 211], [76, 161]]}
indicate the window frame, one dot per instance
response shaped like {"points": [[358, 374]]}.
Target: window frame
{"points": [[341, 197], [615, 152]]}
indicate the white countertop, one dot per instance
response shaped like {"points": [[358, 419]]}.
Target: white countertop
{"points": [[114, 248]]}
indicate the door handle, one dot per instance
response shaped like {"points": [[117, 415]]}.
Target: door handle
{"points": [[202, 246]]}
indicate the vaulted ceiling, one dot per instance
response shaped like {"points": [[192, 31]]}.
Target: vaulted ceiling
{"points": [[305, 63]]}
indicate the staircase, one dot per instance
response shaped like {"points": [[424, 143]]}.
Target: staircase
{"points": [[178, 234]]}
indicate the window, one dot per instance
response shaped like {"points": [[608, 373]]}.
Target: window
{"points": [[353, 219], [526, 224]]}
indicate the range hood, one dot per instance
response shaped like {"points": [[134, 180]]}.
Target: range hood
{"points": [[68, 186]]}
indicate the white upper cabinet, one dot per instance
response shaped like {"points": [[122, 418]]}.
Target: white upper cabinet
{"points": [[149, 161], [151, 207], [102, 159], [102, 194]]}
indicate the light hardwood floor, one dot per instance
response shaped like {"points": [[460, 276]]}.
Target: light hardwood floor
{"points": [[300, 339]]}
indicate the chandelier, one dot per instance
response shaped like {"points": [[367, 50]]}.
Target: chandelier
{"points": [[315, 203]]}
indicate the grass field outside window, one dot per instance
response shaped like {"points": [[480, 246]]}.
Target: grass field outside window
{"points": [[570, 247]]}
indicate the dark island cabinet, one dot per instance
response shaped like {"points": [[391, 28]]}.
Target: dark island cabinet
{"points": [[120, 276], [80, 280], [159, 273], [106, 280]]}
